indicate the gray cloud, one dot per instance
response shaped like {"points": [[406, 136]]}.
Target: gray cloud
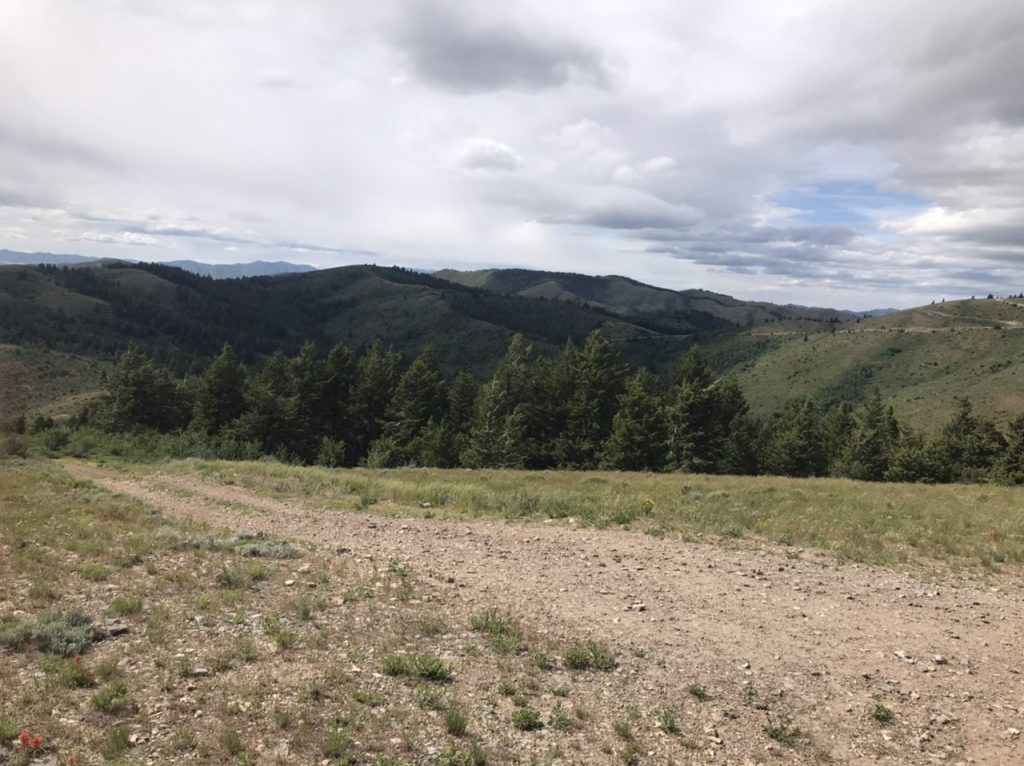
{"points": [[448, 48], [685, 144]]}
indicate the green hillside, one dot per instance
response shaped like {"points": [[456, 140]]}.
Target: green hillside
{"points": [[920, 359], [627, 297], [183, 319]]}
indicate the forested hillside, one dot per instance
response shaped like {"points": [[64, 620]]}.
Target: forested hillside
{"points": [[583, 410], [182, 319]]}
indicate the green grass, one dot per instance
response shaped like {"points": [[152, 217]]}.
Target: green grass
{"points": [[589, 656], [425, 667], [966, 525], [502, 630]]}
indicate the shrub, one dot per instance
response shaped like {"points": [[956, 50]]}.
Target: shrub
{"points": [[125, 605], [882, 714], [422, 666], [474, 755], [456, 720], [66, 633], [525, 718], [111, 699], [589, 656]]}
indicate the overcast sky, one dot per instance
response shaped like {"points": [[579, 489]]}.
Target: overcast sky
{"points": [[853, 153]]}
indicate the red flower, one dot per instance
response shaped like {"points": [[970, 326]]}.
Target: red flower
{"points": [[24, 738], [78, 659], [37, 742]]}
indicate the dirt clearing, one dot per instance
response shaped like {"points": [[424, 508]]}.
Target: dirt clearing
{"points": [[779, 655]]}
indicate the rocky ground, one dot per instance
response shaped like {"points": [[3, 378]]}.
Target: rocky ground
{"points": [[760, 654]]}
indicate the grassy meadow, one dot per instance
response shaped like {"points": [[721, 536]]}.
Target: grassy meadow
{"points": [[963, 525]]}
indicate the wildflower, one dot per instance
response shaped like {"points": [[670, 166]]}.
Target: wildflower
{"points": [[78, 659], [37, 742], [24, 738]]}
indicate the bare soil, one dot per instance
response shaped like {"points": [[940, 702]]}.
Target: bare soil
{"points": [[783, 641]]}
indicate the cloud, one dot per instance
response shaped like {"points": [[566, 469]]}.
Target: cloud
{"points": [[449, 48], [486, 154], [857, 152]]}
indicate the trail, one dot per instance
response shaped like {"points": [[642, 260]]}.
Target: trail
{"points": [[817, 638]]}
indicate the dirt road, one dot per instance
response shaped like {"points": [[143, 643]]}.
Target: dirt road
{"points": [[775, 637]]}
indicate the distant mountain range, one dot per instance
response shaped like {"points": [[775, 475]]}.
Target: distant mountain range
{"points": [[215, 270]]}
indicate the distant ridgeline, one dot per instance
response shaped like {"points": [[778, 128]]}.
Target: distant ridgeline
{"points": [[583, 409]]}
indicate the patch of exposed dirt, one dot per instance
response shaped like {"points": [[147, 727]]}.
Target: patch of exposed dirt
{"points": [[776, 639]]}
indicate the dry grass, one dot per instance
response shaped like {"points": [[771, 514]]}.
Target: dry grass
{"points": [[226, 657], [955, 525]]}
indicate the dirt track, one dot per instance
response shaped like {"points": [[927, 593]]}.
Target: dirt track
{"points": [[818, 641]]}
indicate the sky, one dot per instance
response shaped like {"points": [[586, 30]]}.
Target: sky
{"points": [[849, 153]]}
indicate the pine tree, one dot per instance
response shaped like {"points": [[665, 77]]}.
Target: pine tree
{"points": [[498, 436], [140, 395], [793, 444], [966, 448], [338, 383], [220, 393], [869, 448], [700, 413], [307, 405], [377, 375], [600, 379], [742, 454], [638, 441], [421, 397], [1009, 468]]}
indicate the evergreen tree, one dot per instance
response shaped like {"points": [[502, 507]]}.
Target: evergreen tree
{"points": [[498, 435], [307, 405], [966, 448], [554, 382], [421, 397], [1009, 468], [742, 455], [338, 382], [461, 406], [700, 414], [220, 393], [837, 426], [639, 436], [909, 460], [869, 448], [268, 418], [497, 438], [377, 376], [141, 396], [793, 444], [600, 379]]}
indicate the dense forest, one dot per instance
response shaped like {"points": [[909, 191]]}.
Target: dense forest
{"points": [[583, 409]]}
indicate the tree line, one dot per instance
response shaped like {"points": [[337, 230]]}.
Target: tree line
{"points": [[584, 409]]}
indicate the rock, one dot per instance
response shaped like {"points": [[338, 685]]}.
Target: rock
{"points": [[289, 583], [938, 659], [282, 750], [116, 627]]}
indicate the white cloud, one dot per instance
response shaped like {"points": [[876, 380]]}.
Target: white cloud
{"points": [[688, 144]]}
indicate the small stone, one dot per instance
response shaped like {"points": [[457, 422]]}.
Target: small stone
{"points": [[1013, 733], [116, 627], [938, 659], [282, 750], [289, 583]]}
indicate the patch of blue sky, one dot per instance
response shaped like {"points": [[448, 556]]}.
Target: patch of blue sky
{"points": [[858, 204]]}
